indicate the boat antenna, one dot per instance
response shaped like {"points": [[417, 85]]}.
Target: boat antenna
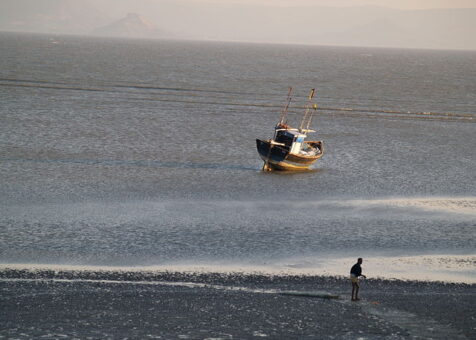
{"points": [[284, 112], [306, 120]]}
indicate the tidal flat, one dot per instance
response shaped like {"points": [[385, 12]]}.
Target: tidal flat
{"points": [[177, 305]]}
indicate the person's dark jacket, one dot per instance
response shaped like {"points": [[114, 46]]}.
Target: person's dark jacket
{"points": [[356, 270]]}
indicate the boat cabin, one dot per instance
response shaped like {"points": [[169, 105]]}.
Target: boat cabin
{"points": [[292, 139]]}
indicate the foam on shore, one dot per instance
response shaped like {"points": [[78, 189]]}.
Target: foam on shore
{"points": [[459, 205], [444, 268]]}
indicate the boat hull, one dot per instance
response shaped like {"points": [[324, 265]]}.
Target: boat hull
{"points": [[279, 158]]}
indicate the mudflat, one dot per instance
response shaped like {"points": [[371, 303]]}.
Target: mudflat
{"points": [[170, 305]]}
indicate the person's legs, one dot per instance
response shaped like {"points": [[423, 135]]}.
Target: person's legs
{"points": [[353, 291], [357, 291]]}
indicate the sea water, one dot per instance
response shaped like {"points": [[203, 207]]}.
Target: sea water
{"points": [[137, 153]]}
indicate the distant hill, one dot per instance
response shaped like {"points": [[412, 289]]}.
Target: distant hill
{"points": [[131, 26], [350, 26], [438, 29], [234, 21]]}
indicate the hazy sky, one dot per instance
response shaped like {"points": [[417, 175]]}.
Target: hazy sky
{"points": [[400, 4], [397, 4]]}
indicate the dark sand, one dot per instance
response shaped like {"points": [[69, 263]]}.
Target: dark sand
{"points": [[142, 305]]}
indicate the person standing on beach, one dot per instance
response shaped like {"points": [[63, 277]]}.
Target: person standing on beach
{"points": [[355, 273]]}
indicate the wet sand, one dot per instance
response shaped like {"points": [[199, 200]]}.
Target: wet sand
{"points": [[167, 305]]}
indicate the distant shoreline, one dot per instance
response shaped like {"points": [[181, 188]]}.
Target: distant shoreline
{"points": [[237, 42]]}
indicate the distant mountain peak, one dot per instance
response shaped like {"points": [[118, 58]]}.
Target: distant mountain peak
{"points": [[132, 25], [134, 18]]}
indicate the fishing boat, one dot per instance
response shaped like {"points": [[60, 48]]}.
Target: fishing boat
{"points": [[288, 149]]}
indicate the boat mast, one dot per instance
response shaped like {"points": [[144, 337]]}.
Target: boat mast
{"points": [[310, 117], [284, 112], [306, 120], [282, 121]]}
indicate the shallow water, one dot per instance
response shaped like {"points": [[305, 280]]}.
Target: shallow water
{"points": [[142, 153]]}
